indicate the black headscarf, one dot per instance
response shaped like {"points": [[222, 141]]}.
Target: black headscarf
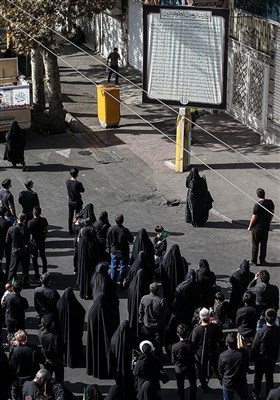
{"points": [[205, 280], [142, 242], [239, 280], [137, 289], [172, 273], [88, 257], [122, 343], [93, 392], [71, 316], [101, 282], [14, 151], [102, 324], [88, 213]]}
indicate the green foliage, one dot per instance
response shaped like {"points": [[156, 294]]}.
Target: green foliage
{"points": [[58, 15]]}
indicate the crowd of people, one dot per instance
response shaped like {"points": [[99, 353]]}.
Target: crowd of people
{"points": [[175, 314]]}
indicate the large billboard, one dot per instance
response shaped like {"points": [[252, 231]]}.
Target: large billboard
{"points": [[268, 9], [185, 55]]}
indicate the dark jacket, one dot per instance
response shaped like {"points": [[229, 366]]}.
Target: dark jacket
{"points": [[233, 367], [28, 200], [18, 237], [267, 295], [25, 361], [153, 310], [45, 300], [118, 239], [246, 321], [182, 355], [266, 345]]}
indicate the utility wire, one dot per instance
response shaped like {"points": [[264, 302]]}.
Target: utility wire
{"points": [[140, 116], [143, 90]]}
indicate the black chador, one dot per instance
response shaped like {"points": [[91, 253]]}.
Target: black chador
{"points": [[71, 316]]}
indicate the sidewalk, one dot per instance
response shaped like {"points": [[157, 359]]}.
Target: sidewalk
{"points": [[108, 145]]}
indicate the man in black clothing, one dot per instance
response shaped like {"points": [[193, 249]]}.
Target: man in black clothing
{"points": [[113, 59], [4, 248], [207, 337], [265, 352], [15, 306], [25, 361], [18, 238], [6, 373], [259, 225], [52, 348], [7, 201], [75, 203], [267, 295], [33, 389], [153, 310], [182, 355], [118, 239], [28, 199], [45, 298], [38, 227], [233, 367], [246, 320]]}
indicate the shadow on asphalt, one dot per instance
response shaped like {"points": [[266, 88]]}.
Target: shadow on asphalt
{"points": [[223, 225], [52, 167]]}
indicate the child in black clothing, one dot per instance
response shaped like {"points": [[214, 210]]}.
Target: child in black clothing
{"points": [[160, 246]]}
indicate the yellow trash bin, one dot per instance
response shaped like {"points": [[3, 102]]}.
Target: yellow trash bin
{"points": [[108, 106]]}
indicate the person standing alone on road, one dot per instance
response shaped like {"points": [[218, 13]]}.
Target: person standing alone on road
{"points": [[113, 63], [259, 225], [118, 239], [75, 202]]}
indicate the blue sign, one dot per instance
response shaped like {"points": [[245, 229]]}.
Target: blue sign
{"points": [[268, 9]]}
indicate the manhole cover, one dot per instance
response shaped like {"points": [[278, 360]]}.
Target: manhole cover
{"points": [[85, 152]]}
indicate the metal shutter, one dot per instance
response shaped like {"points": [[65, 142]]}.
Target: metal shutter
{"points": [[135, 34], [276, 99]]}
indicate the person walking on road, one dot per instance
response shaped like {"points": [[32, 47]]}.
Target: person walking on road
{"points": [[118, 240], [75, 202], [259, 226], [28, 199], [18, 238], [38, 228], [265, 353], [233, 367], [7, 201], [182, 356], [113, 64], [14, 150]]}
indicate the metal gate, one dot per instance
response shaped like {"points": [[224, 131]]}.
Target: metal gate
{"points": [[248, 83]]}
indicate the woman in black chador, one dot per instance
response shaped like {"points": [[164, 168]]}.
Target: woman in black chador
{"points": [[122, 343], [101, 282], [14, 150], [88, 258], [173, 270], [186, 298], [101, 228], [103, 320], [142, 242], [71, 316], [139, 263], [206, 279], [199, 200], [138, 288], [239, 280]]}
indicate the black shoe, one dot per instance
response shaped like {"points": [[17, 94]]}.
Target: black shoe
{"points": [[263, 263]]}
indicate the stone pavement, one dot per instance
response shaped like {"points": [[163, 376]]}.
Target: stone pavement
{"points": [[124, 170]]}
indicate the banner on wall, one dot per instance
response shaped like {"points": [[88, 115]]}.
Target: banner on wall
{"points": [[185, 55]]}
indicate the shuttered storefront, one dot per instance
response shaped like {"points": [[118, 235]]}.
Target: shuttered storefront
{"points": [[135, 34], [276, 97]]}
